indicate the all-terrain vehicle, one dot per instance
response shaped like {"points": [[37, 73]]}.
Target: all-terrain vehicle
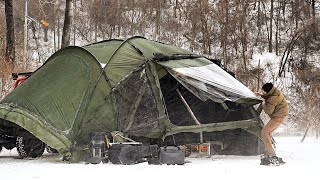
{"points": [[12, 135]]}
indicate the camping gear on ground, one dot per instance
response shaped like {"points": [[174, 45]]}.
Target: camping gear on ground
{"points": [[130, 153], [97, 148], [199, 150], [131, 86], [171, 155]]}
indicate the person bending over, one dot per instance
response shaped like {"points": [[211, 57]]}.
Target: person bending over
{"points": [[275, 105]]}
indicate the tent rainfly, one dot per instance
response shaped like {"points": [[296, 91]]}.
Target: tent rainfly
{"points": [[150, 91]]}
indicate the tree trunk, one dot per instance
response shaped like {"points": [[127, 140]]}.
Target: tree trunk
{"points": [[95, 32], [313, 4], [158, 18], [313, 19], [67, 24], [305, 133], [119, 10], [258, 86], [175, 9], [54, 28], [74, 24], [58, 34], [225, 33], [133, 16], [277, 28], [45, 38], [271, 18], [10, 47], [258, 24], [308, 104], [204, 29]]}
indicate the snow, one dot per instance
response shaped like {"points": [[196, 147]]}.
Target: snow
{"points": [[302, 162], [270, 63], [102, 65], [265, 58]]}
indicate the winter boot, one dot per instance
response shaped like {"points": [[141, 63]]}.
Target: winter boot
{"points": [[271, 160], [281, 161], [264, 160], [274, 161]]}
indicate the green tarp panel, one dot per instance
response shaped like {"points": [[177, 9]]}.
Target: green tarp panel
{"points": [[57, 103]]}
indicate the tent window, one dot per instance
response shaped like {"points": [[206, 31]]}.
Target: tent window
{"points": [[136, 108]]}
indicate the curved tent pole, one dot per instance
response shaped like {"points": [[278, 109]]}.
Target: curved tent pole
{"points": [[124, 41]]}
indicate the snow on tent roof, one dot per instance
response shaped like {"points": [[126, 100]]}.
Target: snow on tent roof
{"points": [[71, 95]]}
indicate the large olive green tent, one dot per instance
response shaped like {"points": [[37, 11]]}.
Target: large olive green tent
{"points": [[145, 89]]}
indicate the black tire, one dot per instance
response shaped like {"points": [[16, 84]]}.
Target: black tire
{"points": [[114, 152], [9, 145], [51, 150], [129, 155], [29, 147]]}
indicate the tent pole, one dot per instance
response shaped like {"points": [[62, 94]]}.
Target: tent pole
{"points": [[191, 113]]}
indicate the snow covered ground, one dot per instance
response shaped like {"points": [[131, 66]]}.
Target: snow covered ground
{"points": [[302, 163]]}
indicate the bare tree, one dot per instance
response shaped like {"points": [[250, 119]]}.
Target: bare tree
{"points": [[66, 32], [271, 29], [314, 17], [277, 27], [10, 47]]}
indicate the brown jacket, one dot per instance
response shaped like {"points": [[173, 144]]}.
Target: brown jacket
{"points": [[275, 103]]}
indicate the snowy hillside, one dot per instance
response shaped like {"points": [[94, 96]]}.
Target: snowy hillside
{"points": [[302, 163]]}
